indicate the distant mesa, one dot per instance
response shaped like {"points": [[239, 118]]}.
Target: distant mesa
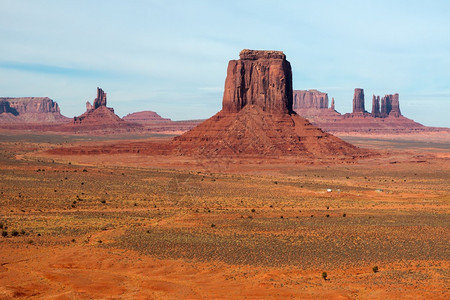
{"points": [[30, 110], [98, 113], [145, 117], [384, 118], [257, 117], [312, 99]]}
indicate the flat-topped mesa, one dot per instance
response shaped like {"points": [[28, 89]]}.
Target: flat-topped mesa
{"points": [[261, 78], [101, 98], [358, 101], [310, 99], [30, 110], [248, 54]]}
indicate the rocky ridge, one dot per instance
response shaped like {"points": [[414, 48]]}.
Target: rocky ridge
{"points": [[30, 110]]}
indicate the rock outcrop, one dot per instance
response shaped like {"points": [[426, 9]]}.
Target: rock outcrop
{"points": [[257, 119], [376, 106], [30, 110], [89, 106], [145, 117], [5, 107], [384, 118], [311, 99], [261, 78], [358, 101], [101, 98], [390, 106], [99, 114], [313, 104]]}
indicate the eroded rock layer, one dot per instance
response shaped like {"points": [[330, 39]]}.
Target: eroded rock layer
{"points": [[257, 117], [261, 78], [358, 101], [98, 113], [30, 110], [312, 99]]}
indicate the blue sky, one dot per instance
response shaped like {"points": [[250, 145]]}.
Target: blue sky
{"points": [[171, 56]]}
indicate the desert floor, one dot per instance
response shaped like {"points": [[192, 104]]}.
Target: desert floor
{"points": [[137, 226]]}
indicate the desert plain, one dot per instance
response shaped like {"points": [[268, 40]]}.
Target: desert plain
{"points": [[140, 226]]}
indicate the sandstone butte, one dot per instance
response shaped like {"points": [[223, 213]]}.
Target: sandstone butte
{"points": [[98, 113], [257, 116], [384, 118], [256, 121], [30, 110]]}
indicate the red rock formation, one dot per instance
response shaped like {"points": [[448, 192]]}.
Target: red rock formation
{"points": [[390, 106], [312, 99], [384, 118], [101, 98], [332, 104], [313, 105], [89, 106], [261, 78], [358, 101], [145, 117], [30, 110], [395, 106], [257, 118], [100, 114], [376, 106], [6, 108]]}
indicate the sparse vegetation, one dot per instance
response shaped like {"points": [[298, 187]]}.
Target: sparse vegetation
{"points": [[213, 222], [324, 275]]}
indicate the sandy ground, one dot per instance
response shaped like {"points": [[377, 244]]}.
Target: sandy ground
{"points": [[138, 227]]}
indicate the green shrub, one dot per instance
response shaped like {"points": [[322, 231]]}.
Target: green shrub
{"points": [[324, 275], [4, 233], [375, 269]]}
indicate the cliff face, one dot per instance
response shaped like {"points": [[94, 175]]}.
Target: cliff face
{"points": [[257, 118], [32, 105], [376, 106], [101, 98], [358, 101], [390, 106], [31, 110], [312, 99], [261, 78], [5, 107]]}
